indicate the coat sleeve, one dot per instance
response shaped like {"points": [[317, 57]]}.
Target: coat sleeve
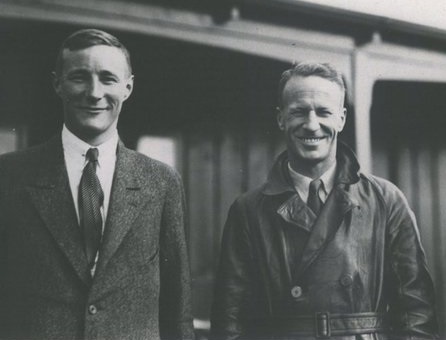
{"points": [[3, 250], [5, 186], [175, 293], [412, 301], [233, 283]]}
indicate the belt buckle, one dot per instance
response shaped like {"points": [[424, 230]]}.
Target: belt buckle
{"points": [[322, 325]]}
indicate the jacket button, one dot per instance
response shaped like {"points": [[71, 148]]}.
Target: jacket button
{"points": [[92, 309], [296, 292], [346, 281]]}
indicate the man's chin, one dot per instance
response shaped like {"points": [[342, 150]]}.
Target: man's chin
{"points": [[310, 156]]}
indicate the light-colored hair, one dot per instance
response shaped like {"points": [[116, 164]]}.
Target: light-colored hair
{"points": [[307, 69], [85, 38]]}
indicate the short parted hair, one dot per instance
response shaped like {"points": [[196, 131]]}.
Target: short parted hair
{"points": [[89, 37], [307, 69]]}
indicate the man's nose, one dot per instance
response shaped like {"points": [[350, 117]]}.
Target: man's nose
{"points": [[95, 90], [312, 121]]}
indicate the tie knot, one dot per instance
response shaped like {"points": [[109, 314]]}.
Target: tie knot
{"points": [[92, 154], [315, 185]]}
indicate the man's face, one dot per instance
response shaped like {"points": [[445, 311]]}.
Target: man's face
{"points": [[311, 117], [93, 84]]}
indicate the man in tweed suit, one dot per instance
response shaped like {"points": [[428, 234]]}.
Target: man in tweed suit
{"points": [[112, 268]]}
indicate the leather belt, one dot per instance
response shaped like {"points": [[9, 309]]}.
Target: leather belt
{"points": [[322, 325]]}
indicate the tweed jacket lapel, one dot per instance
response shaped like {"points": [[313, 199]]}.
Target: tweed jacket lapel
{"points": [[50, 193], [125, 202]]}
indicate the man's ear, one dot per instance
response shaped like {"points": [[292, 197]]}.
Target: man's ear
{"points": [[342, 119], [56, 83], [129, 86], [280, 119]]}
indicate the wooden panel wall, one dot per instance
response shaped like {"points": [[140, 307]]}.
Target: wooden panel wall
{"points": [[409, 148], [219, 164], [421, 175]]}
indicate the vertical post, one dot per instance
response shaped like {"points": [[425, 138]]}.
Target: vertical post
{"points": [[363, 80]]}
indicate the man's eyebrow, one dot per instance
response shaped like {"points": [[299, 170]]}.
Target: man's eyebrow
{"points": [[294, 105], [77, 70], [108, 73]]}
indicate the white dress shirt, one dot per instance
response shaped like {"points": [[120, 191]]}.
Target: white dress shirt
{"points": [[75, 150], [302, 183]]}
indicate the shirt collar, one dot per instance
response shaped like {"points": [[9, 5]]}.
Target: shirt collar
{"points": [[302, 182], [75, 147], [279, 179], [328, 178]]}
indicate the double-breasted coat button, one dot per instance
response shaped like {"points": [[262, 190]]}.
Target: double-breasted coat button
{"points": [[346, 280], [296, 292], [92, 309]]}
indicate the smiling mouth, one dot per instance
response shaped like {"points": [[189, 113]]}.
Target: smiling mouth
{"points": [[311, 140], [93, 109]]}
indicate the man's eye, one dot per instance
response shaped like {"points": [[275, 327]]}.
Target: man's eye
{"points": [[297, 112], [325, 112], [109, 80], [77, 78]]}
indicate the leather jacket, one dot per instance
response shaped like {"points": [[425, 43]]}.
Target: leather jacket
{"points": [[360, 259]]}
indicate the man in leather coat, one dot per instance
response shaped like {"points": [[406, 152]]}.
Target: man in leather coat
{"points": [[321, 250]]}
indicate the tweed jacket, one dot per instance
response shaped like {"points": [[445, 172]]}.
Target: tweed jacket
{"points": [[141, 286], [360, 260]]}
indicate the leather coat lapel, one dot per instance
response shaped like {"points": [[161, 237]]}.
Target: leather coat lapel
{"points": [[50, 192], [124, 206], [330, 218], [296, 212], [323, 227]]}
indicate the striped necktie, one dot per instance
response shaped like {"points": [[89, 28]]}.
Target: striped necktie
{"points": [[91, 198]]}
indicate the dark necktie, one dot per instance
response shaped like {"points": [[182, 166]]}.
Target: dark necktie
{"points": [[314, 201], [91, 198]]}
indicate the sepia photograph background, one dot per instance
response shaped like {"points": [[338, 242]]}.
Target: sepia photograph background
{"points": [[205, 93]]}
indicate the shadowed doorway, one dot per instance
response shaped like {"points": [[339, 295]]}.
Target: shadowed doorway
{"points": [[409, 149]]}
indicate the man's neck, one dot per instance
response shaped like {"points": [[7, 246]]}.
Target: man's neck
{"points": [[94, 140], [311, 169]]}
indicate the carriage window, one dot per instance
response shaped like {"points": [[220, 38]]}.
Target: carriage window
{"points": [[163, 149], [8, 140]]}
